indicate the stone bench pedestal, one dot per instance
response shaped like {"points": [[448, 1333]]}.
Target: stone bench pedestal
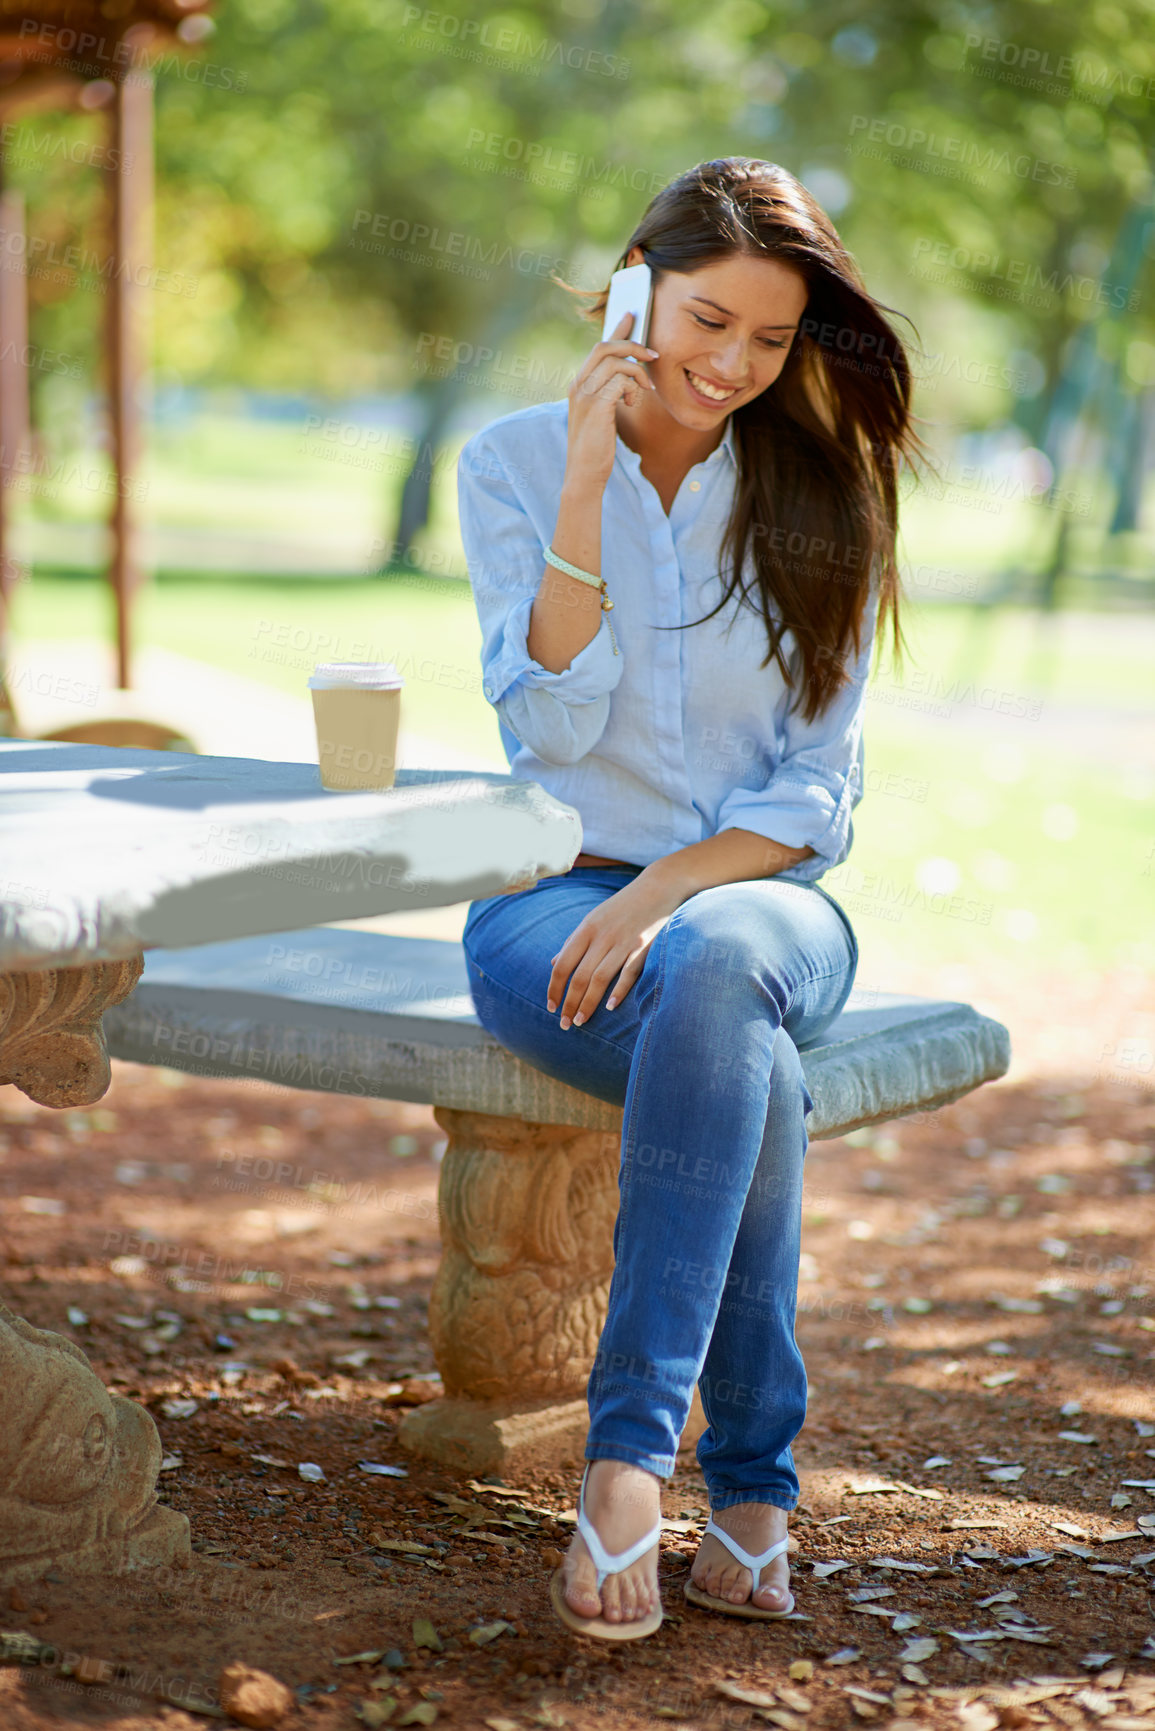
{"points": [[527, 1220]]}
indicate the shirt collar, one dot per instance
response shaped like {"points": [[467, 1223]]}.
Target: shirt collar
{"points": [[726, 443]]}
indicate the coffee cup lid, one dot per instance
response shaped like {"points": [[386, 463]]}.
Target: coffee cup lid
{"points": [[355, 675]]}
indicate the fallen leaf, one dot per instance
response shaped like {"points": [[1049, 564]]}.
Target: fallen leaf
{"points": [[489, 1632], [794, 1698], [751, 1697], [920, 1648], [311, 1472], [1076, 1436], [369, 1657], [178, 1408], [1003, 1598], [916, 1674], [409, 1547], [976, 1716], [822, 1570], [905, 1568], [1069, 1527], [844, 1656], [801, 1670], [936, 1461], [425, 1635], [1005, 1475], [885, 1486], [864, 1593], [380, 1470], [1000, 1379], [512, 1725], [421, 1713], [377, 1713], [904, 1621]]}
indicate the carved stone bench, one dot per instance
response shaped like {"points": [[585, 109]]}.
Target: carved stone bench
{"points": [[528, 1186]]}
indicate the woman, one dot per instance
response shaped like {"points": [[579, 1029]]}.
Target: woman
{"points": [[730, 491]]}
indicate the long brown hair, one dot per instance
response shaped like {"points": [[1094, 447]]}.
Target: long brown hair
{"points": [[816, 505]]}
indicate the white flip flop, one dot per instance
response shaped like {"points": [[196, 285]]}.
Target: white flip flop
{"points": [[606, 1563], [747, 1608]]}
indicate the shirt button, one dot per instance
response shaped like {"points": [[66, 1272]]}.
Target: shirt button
{"points": [[488, 690], [695, 486]]}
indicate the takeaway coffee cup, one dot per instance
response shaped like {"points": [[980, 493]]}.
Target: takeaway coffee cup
{"points": [[357, 708]]}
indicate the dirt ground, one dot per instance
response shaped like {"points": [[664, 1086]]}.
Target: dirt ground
{"points": [[977, 1312]]}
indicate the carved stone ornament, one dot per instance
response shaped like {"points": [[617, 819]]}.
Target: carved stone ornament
{"points": [[527, 1220], [51, 1043], [78, 1467]]}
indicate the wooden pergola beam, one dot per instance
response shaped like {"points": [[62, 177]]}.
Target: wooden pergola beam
{"points": [[38, 71], [129, 328]]}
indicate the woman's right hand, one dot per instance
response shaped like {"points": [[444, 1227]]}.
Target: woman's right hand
{"points": [[612, 374]]}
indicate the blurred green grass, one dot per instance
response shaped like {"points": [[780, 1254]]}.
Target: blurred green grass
{"points": [[982, 832]]}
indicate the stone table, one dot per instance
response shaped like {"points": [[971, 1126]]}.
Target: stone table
{"points": [[104, 854]]}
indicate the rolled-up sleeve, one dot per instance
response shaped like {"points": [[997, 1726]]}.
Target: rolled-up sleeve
{"points": [[559, 716], [808, 798]]}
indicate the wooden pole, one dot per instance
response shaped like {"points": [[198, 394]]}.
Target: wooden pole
{"points": [[128, 338], [14, 417]]}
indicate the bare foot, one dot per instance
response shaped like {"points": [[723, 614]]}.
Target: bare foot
{"points": [[622, 1501], [754, 1526]]}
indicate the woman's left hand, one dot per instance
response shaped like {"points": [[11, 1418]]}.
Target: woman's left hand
{"points": [[611, 945]]}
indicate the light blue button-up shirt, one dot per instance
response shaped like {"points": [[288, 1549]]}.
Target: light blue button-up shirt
{"points": [[682, 734]]}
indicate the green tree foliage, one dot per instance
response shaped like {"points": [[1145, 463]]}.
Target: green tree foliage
{"points": [[329, 171]]}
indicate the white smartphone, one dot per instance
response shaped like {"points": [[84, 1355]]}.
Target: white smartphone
{"points": [[631, 291]]}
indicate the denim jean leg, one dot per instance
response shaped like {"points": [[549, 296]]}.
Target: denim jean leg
{"points": [[694, 1121], [753, 1383]]}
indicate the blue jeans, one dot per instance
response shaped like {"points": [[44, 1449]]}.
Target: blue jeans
{"points": [[702, 1054]]}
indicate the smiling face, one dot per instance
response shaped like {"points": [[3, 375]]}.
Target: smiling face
{"points": [[722, 333]]}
